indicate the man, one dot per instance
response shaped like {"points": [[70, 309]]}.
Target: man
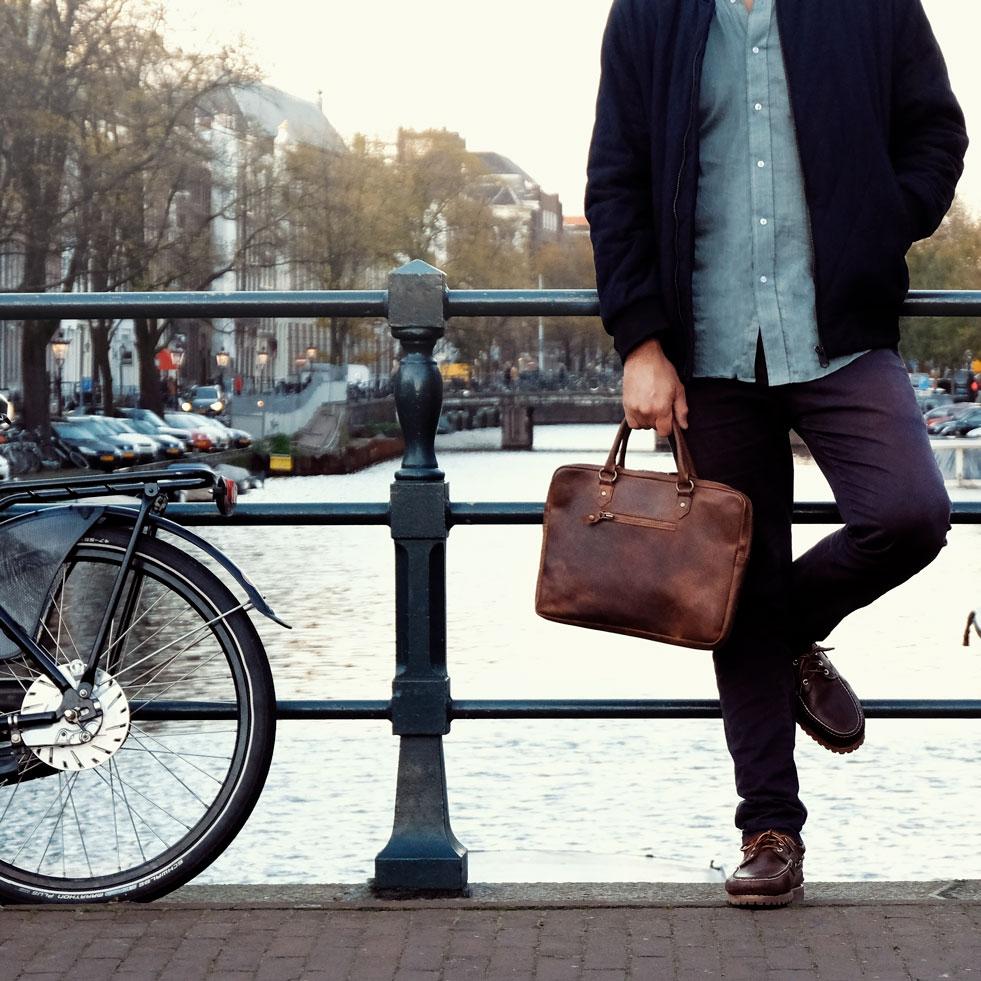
{"points": [[757, 172]]}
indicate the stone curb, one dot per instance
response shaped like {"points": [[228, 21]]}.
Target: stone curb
{"points": [[550, 895]]}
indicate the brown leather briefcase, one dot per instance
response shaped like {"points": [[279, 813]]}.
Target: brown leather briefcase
{"points": [[655, 555]]}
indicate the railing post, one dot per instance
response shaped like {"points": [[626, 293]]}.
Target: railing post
{"points": [[423, 854]]}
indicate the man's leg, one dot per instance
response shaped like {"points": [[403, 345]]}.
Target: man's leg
{"points": [[865, 432], [737, 435]]}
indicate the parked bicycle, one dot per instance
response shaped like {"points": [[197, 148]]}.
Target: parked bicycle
{"points": [[20, 451], [137, 712]]}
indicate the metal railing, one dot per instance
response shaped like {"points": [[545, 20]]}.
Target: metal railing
{"points": [[423, 854]]}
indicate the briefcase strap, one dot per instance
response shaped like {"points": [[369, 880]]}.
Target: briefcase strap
{"points": [[618, 455]]}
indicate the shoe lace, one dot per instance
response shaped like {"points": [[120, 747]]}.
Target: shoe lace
{"points": [[813, 663], [776, 840]]}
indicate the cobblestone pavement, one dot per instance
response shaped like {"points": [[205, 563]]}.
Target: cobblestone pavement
{"points": [[446, 942]]}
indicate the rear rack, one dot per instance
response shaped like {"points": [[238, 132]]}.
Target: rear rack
{"points": [[134, 483]]}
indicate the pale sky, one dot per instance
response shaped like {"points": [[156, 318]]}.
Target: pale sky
{"points": [[515, 76]]}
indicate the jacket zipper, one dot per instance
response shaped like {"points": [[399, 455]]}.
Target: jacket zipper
{"points": [[686, 366], [632, 519]]}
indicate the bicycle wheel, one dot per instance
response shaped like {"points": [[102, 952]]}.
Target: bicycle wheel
{"points": [[145, 801]]}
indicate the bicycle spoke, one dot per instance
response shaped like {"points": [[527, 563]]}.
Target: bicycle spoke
{"points": [[74, 777], [152, 803], [81, 834], [200, 800], [113, 765], [115, 822], [59, 823], [183, 756], [133, 811], [183, 677], [204, 626], [121, 637], [174, 752], [9, 802], [154, 670]]}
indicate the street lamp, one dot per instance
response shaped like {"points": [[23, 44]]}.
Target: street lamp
{"points": [[222, 358], [59, 348], [311, 353], [298, 364], [262, 359]]}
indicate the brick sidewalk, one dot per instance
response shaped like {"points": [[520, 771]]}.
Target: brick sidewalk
{"points": [[449, 941]]}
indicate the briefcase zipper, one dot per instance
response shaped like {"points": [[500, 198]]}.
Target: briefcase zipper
{"points": [[631, 519]]}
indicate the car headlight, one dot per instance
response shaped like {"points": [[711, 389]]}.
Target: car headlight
{"points": [[186, 406], [216, 406]]}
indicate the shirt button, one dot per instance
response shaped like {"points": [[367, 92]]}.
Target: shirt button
{"points": [[758, 106], [756, 50], [762, 221], [760, 163], [762, 279]]}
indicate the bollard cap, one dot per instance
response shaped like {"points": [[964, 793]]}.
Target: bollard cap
{"points": [[416, 300]]}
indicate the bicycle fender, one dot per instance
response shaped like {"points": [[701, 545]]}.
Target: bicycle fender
{"points": [[33, 547], [255, 597]]}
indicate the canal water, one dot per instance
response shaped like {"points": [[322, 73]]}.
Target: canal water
{"points": [[585, 800]]}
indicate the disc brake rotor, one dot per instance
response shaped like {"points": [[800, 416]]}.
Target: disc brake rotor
{"points": [[74, 745]]}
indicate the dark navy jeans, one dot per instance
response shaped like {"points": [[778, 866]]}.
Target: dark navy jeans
{"points": [[865, 432]]}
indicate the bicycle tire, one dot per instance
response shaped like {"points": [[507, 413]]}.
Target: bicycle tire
{"points": [[77, 460], [161, 791]]}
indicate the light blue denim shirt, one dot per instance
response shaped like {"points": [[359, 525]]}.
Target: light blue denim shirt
{"points": [[754, 259]]}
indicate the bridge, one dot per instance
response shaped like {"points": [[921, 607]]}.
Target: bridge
{"points": [[423, 854]]}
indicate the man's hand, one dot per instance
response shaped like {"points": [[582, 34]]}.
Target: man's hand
{"points": [[653, 396]]}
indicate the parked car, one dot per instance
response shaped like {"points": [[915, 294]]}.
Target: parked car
{"points": [[99, 452], [148, 448], [240, 438], [149, 418], [963, 424], [171, 444], [937, 418], [216, 430], [206, 400], [199, 438], [97, 426], [244, 480]]}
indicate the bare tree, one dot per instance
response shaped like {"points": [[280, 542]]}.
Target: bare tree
{"points": [[49, 53], [341, 221], [105, 179]]}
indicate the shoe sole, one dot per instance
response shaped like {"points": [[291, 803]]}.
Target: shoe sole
{"points": [[762, 901], [833, 747]]}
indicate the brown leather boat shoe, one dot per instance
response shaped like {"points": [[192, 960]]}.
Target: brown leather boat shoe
{"points": [[770, 874], [826, 708]]}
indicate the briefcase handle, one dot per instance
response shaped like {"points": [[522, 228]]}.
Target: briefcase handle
{"points": [[618, 455]]}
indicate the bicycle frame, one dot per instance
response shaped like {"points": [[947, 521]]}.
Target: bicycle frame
{"points": [[152, 487]]}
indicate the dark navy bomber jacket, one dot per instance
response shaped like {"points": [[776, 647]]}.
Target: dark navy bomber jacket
{"points": [[881, 139]]}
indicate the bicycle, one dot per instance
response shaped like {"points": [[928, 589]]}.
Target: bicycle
{"points": [[137, 711], [20, 450]]}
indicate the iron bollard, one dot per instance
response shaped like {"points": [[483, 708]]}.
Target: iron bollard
{"points": [[423, 854]]}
